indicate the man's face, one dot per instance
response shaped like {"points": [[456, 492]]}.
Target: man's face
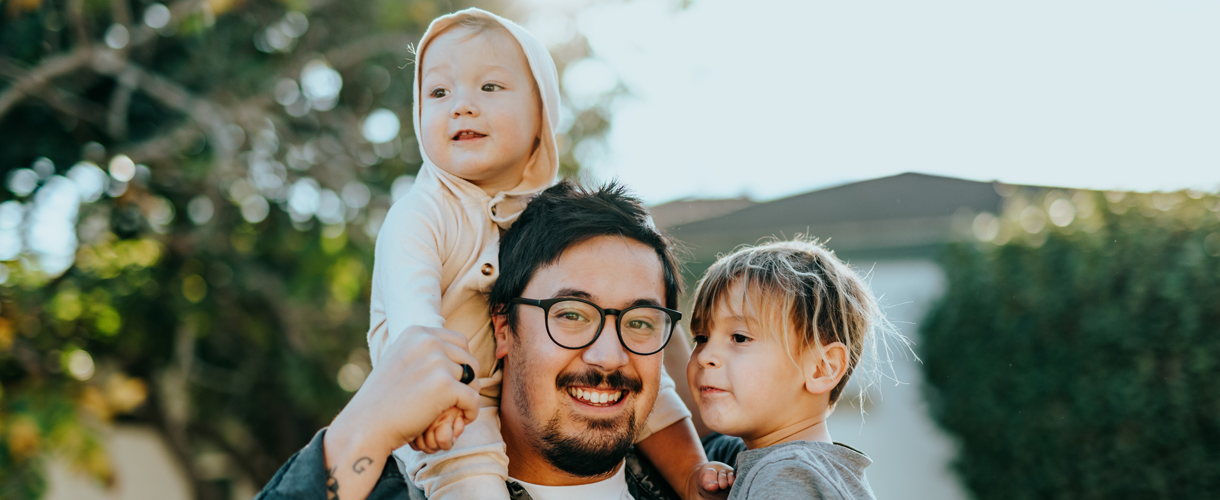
{"points": [[549, 390]]}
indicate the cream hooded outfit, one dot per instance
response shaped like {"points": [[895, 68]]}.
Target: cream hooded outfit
{"points": [[437, 258]]}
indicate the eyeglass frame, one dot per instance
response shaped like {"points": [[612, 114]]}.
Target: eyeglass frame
{"points": [[545, 305]]}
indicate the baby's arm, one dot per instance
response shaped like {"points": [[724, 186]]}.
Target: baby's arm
{"points": [[406, 273]]}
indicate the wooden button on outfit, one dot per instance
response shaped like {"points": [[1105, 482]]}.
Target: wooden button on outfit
{"points": [[488, 269]]}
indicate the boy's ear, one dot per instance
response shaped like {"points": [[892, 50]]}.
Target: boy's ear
{"points": [[499, 323], [822, 373]]}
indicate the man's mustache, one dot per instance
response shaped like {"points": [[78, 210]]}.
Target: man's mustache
{"points": [[592, 378]]}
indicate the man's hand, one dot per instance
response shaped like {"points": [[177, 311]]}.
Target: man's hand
{"points": [[714, 480], [416, 380]]}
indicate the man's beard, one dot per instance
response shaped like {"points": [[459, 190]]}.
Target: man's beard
{"points": [[601, 449]]}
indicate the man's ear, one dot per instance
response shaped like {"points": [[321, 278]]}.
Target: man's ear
{"points": [[499, 322], [822, 373]]}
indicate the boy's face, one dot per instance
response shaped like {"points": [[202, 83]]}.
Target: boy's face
{"points": [[743, 380], [480, 115]]}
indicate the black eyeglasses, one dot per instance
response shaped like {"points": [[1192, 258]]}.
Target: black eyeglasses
{"points": [[576, 323]]}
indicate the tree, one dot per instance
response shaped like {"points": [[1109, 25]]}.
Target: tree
{"points": [[193, 192], [1076, 352]]}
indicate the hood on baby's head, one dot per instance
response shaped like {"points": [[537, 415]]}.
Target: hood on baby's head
{"points": [[544, 165]]}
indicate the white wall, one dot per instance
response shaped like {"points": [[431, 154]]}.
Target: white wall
{"points": [[911, 456], [143, 464]]}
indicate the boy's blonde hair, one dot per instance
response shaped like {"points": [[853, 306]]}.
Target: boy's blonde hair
{"points": [[797, 290]]}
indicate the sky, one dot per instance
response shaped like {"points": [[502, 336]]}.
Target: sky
{"points": [[770, 98]]}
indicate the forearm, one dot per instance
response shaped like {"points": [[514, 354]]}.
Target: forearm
{"points": [[677, 453], [354, 459]]}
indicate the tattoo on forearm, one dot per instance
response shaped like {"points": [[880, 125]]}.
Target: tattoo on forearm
{"points": [[361, 464], [332, 484]]}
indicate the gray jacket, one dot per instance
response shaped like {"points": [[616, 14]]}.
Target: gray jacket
{"points": [[304, 477]]}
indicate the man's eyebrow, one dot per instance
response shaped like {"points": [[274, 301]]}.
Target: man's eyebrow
{"points": [[580, 294], [646, 302], [574, 293]]}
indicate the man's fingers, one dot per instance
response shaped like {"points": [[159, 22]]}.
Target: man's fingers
{"points": [[452, 337], [468, 402], [460, 357]]}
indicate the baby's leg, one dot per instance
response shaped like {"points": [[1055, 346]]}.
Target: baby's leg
{"points": [[474, 467]]}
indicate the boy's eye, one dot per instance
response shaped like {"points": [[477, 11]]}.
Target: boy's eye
{"points": [[700, 339], [740, 339], [438, 93], [491, 87]]}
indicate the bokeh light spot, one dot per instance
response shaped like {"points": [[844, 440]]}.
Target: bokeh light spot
{"points": [[351, 377], [80, 365], [381, 126], [122, 168]]}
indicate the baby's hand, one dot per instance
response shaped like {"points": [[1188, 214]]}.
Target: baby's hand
{"points": [[715, 478], [443, 432]]}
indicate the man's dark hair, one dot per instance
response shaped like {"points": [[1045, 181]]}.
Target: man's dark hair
{"points": [[567, 214]]}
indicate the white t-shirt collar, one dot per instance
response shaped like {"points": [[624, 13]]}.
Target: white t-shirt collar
{"points": [[614, 488]]}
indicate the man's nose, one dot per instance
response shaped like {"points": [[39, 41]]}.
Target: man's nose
{"points": [[607, 353]]}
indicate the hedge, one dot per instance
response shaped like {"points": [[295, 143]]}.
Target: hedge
{"points": [[1076, 351]]}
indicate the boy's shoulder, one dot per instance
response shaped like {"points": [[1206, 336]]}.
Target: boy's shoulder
{"points": [[803, 469]]}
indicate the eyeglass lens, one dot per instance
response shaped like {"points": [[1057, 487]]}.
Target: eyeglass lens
{"points": [[573, 324]]}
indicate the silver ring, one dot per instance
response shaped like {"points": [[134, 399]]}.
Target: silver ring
{"points": [[467, 374]]}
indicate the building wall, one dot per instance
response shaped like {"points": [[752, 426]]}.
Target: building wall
{"points": [[144, 467], [911, 456]]}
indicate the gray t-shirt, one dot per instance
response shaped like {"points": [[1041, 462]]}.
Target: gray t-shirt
{"points": [[802, 469]]}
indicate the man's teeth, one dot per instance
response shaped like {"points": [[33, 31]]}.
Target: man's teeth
{"points": [[597, 397]]}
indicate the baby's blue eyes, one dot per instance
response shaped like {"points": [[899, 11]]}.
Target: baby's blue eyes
{"points": [[491, 87]]}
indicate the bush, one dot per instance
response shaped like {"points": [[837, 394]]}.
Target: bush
{"points": [[1080, 357]]}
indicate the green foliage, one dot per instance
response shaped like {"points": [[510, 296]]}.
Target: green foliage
{"points": [[194, 297], [1080, 358]]}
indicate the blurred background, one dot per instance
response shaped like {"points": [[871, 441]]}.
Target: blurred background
{"points": [[192, 189]]}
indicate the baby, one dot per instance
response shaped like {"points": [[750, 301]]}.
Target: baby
{"points": [[778, 330], [486, 107]]}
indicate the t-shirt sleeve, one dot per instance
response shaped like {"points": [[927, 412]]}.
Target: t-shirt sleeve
{"points": [[792, 478], [406, 271]]}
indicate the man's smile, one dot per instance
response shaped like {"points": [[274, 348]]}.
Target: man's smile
{"points": [[597, 397]]}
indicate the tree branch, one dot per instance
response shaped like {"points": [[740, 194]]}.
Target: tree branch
{"points": [[80, 33], [57, 66], [59, 99], [120, 100], [41, 76]]}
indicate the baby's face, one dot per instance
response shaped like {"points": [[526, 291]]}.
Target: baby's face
{"points": [[742, 379], [480, 114]]}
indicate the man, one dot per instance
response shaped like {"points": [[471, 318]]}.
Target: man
{"points": [[584, 303]]}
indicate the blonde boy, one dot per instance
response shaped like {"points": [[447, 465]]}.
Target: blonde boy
{"points": [[778, 330], [486, 105]]}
